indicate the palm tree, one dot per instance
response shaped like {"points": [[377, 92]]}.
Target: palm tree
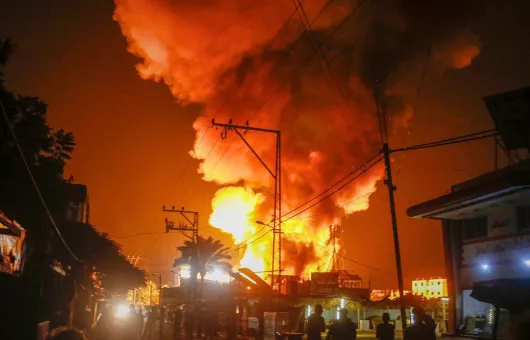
{"points": [[202, 255]]}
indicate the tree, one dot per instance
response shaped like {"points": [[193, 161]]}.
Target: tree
{"points": [[46, 152], [106, 269], [202, 255]]}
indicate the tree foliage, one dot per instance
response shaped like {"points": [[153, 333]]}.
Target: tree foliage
{"points": [[105, 259], [47, 152], [203, 255]]}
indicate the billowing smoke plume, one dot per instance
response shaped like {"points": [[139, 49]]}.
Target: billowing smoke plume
{"points": [[312, 73]]}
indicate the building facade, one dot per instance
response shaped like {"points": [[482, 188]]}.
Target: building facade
{"points": [[486, 231], [431, 288]]}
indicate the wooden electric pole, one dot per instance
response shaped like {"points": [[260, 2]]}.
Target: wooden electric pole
{"points": [[391, 188]]}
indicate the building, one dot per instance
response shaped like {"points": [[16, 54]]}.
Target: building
{"points": [[78, 208], [11, 240], [486, 232], [432, 288]]}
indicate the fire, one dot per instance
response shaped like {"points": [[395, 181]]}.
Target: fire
{"points": [[252, 61], [234, 210]]}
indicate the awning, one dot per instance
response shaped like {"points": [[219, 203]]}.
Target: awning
{"points": [[510, 294]]}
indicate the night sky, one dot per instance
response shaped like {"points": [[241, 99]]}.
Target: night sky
{"points": [[133, 138]]}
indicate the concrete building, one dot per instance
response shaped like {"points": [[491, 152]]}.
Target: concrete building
{"points": [[431, 288], [78, 208], [486, 233]]}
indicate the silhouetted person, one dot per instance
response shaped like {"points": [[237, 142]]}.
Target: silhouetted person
{"points": [[189, 323], [140, 321], [231, 326], [343, 328], [177, 321], [210, 324], [150, 324], [105, 324], [131, 331], [385, 330], [66, 334], [316, 324], [423, 327], [161, 320]]}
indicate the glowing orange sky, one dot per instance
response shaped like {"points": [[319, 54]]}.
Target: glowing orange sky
{"points": [[132, 138]]}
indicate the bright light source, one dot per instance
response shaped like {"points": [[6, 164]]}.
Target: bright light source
{"points": [[338, 313], [308, 310], [445, 299], [485, 266], [248, 287], [526, 263], [342, 302], [121, 311]]}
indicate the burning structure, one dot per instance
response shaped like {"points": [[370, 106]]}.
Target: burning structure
{"points": [[310, 69]]}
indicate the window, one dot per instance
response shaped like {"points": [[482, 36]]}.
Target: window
{"points": [[523, 218], [475, 228]]}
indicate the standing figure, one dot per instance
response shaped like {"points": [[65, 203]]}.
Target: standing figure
{"points": [[177, 321], [385, 330], [316, 324], [231, 326], [150, 324], [162, 320], [189, 323], [343, 329], [423, 327]]}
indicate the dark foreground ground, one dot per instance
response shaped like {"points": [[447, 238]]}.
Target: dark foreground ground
{"points": [[168, 335]]}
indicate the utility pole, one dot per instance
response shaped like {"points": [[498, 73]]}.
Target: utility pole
{"points": [[194, 221], [391, 189], [381, 115], [241, 130], [159, 276], [334, 235]]}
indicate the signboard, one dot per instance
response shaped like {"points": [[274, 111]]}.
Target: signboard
{"points": [[324, 283], [496, 250]]}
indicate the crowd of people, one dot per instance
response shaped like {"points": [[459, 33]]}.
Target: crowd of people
{"points": [[344, 328], [189, 323]]}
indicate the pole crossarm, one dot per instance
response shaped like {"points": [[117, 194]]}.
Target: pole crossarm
{"points": [[236, 129], [194, 228]]}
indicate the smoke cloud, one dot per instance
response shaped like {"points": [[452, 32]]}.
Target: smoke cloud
{"points": [[258, 61]]}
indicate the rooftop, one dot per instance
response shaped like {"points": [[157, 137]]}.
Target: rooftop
{"points": [[470, 198]]}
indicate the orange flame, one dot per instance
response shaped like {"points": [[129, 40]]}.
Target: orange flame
{"points": [[234, 57]]}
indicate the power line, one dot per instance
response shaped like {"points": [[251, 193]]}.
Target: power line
{"points": [[449, 141], [34, 182], [336, 190], [249, 243], [261, 110], [336, 183], [337, 207], [338, 254], [139, 234], [320, 52]]}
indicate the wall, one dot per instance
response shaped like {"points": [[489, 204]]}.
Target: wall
{"points": [[499, 255]]}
